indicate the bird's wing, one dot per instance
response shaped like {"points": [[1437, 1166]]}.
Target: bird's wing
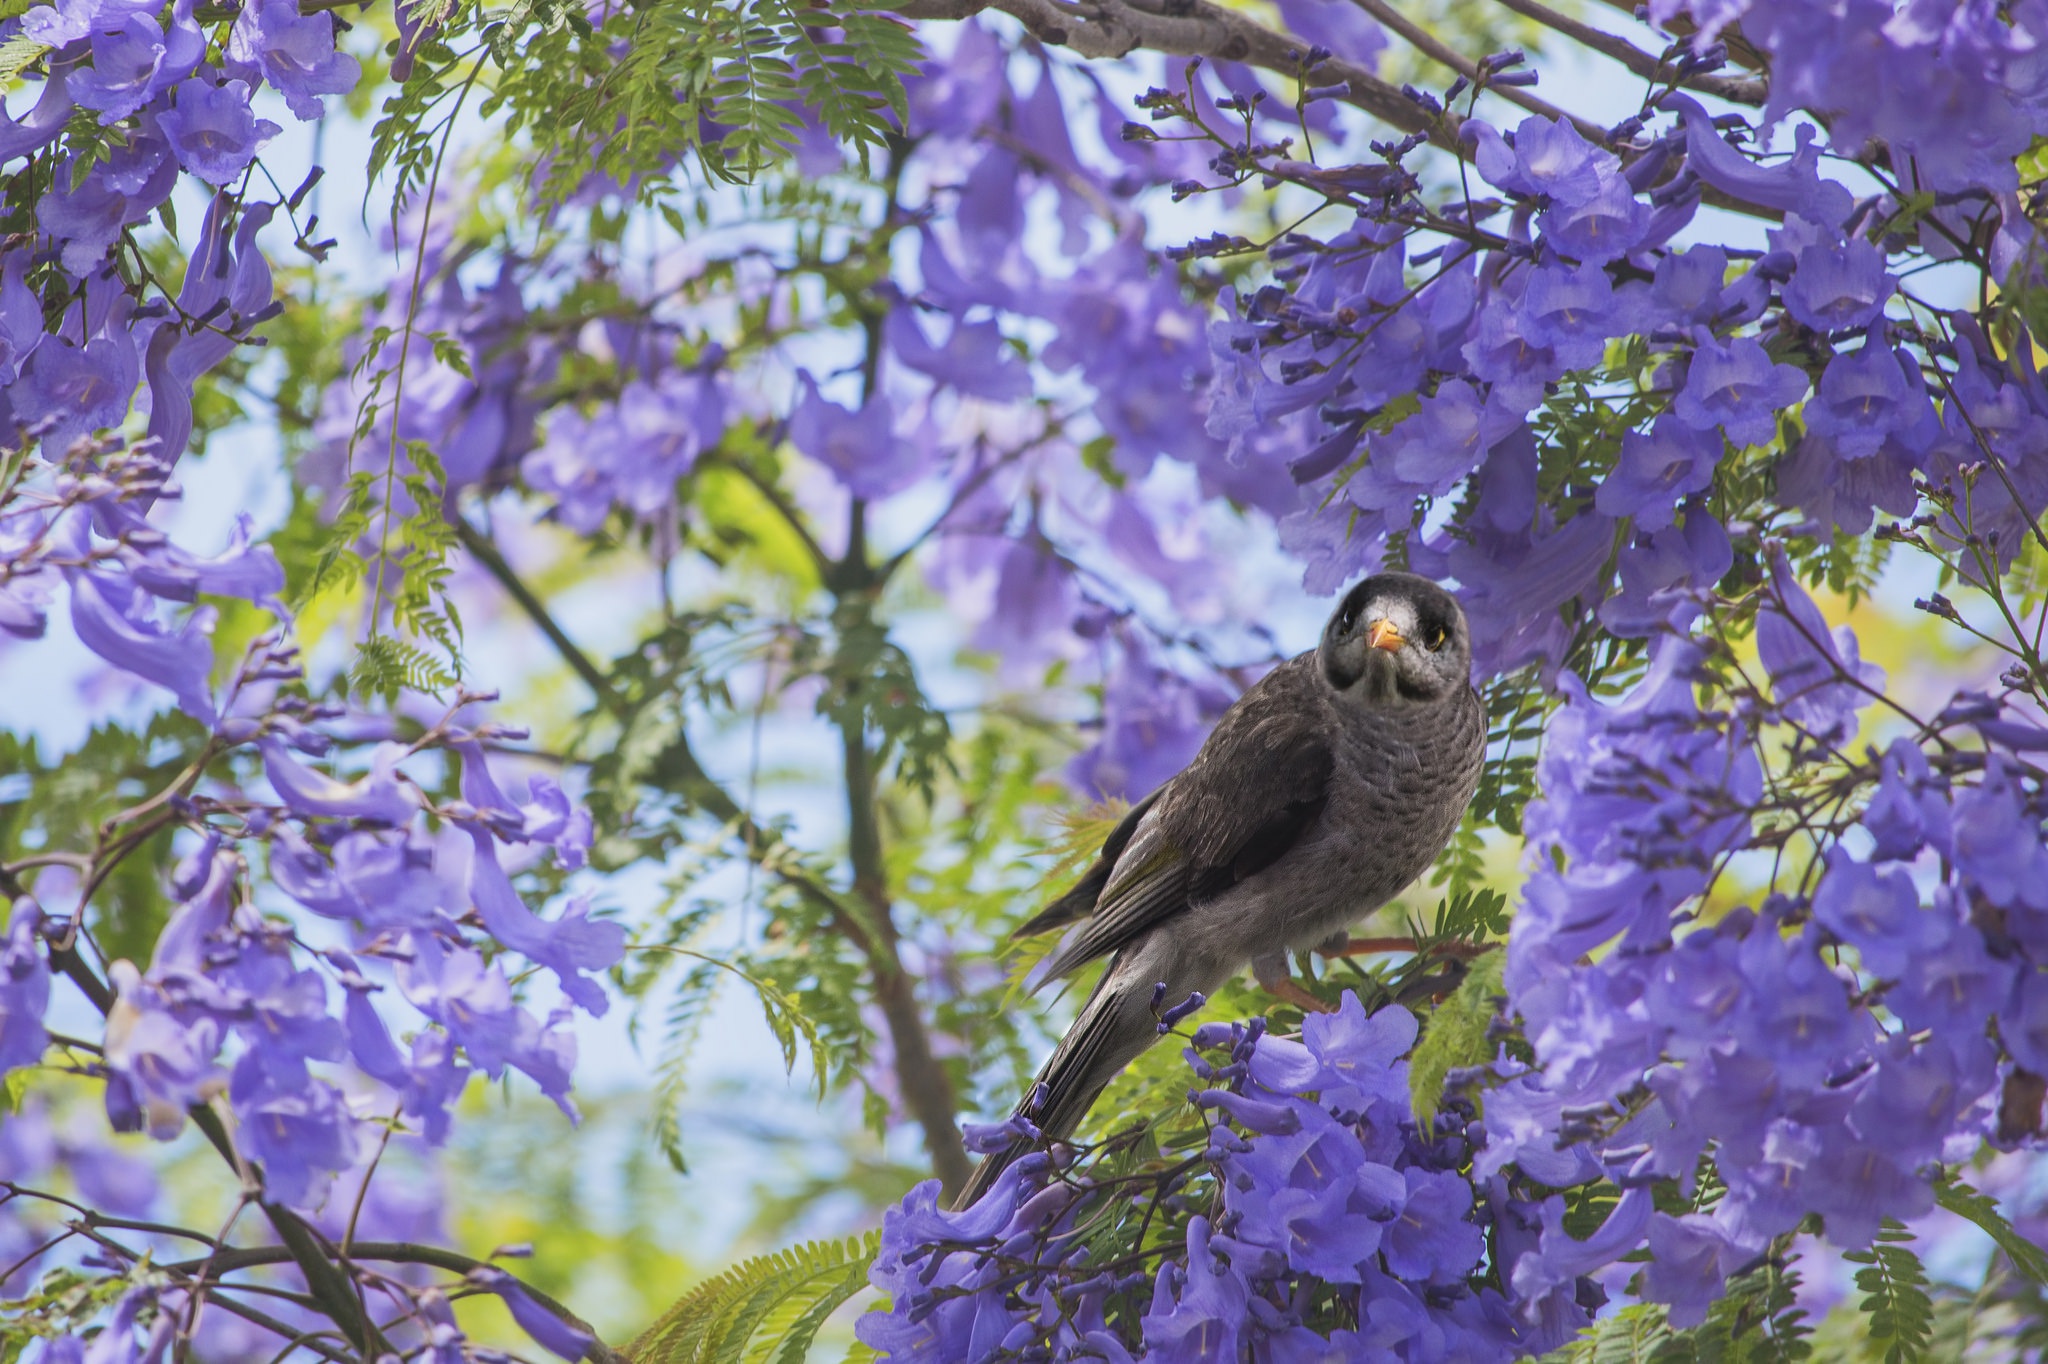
{"points": [[1259, 782], [1080, 902]]}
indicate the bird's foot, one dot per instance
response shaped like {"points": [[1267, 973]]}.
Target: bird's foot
{"points": [[1288, 989]]}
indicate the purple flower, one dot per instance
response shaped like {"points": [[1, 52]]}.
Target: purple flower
{"points": [[1153, 721], [135, 61], [114, 620], [2023, 1023], [301, 1137], [568, 946], [213, 130], [1794, 186], [1689, 289], [1201, 1318], [1877, 913], [73, 390], [861, 448], [1952, 988], [1035, 603], [974, 360], [1433, 1239], [1502, 352], [1686, 1270], [1998, 846], [160, 1060], [1837, 288], [1572, 311], [1662, 575], [1816, 675], [282, 1016], [378, 796], [1599, 227], [273, 41], [177, 357], [453, 986], [1912, 1100], [549, 1331], [1548, 158], [64, 22], [24, 989], [428, 1080], [1344, 29], [35, 129], [1445, 440], [1656, 468], [1865, 397], [1911, 808], [548, 816], [1856, 1185], [1734, 385]]}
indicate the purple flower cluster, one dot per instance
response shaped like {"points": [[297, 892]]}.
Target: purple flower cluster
{"points": [[1316, 1178], [163, 110], [317, 916], [1829, 1051]]}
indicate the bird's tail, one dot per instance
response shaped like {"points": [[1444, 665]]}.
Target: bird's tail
{"points": [[1115, 1025]]}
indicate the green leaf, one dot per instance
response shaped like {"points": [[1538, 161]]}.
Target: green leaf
{"points": [[18, 53], [1959, 1198], [785, 1017], [764, 1311], [1898, 1313], [1456, 1034]]}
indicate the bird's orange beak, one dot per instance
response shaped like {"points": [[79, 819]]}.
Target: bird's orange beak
{"points": [[1383, 635]]}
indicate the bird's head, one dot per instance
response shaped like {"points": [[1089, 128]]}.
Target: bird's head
{"points": [[1397, 637]]}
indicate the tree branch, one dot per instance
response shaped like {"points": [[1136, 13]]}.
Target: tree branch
{"points": [[536, 611], [227, 1261], [927, 1090], [1202, 28], [864, 922], [1427, 44], [1749, 92]]}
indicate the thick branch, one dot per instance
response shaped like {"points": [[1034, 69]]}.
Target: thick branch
{"points": [[927, 1091], [1748, 92]]}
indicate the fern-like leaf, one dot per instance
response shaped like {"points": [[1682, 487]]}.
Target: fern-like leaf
{"points": [[1964, 1201], [1456, 1034], [1899, 1313], [763, 1311]]}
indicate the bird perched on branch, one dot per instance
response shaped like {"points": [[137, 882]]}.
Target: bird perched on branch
{"points": [[1325, 790]]}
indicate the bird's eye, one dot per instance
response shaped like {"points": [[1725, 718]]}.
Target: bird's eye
{"points": [[1436, 639]]}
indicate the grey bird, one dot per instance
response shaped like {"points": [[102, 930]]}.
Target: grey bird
{"points": [[1325, 790]]}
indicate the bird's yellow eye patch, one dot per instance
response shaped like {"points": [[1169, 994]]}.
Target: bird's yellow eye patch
{"points": [[1435, 639]]}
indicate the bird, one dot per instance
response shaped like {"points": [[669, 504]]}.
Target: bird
{"points": [[1326, 788]]}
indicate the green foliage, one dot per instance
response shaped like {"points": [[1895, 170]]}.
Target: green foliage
{"points": [[1959, 1198], [1755, 1322], [1456, 1033], [785, 1017], [630, 96], [763, 1311], [19, 53], [62, 1303], [406, 569], [870, 682], [1898, 1313]]}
